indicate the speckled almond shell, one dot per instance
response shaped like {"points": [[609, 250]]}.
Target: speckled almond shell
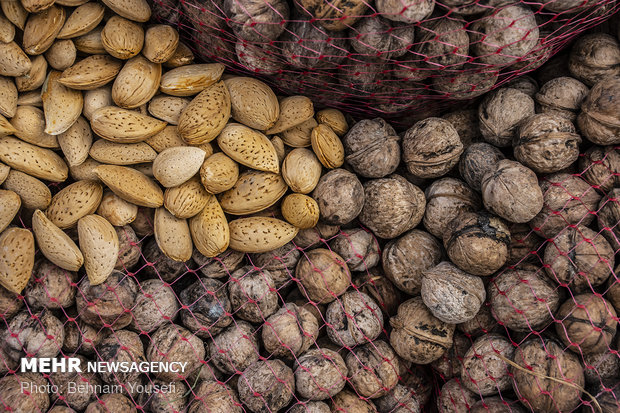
{"points": [[253, 102], [320, 374], [124, 126], [168, 108], [174, 166], [300, 210], [599, 120], [187, 199], [294, 110], [90, 73], [73, 202], [62, 106], [482, 371], [210, 229], [254, 191], [136, 83], [82, 20], [8, 96], [33, 192], [42, 28], [13, 60], [206, 115], [122, 38], [29, 122], [160, 42], [136, 10], [33, 160], [10, 203], [121, 153], [323, 274], [190, 80], [116, 210], [131, 185], [260, 234], [100, 247], [172, 235], [248, 147], [16, 258]]}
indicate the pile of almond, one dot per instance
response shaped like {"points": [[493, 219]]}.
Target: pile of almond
{"points": [[116, 116]]}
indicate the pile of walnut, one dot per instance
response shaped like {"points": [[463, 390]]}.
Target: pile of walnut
{"points": [[293, 263]]}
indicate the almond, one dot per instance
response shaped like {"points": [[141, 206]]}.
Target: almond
{"points": [[116, 210], [187, 199], [122, 38], [62, 106], [4, 172], [253, 102], [327, 146], [35, 76], [85, 171], [71, 3], [29, 123], [16, 258], [219, 173], [248, 147], [7, 30], [174, 166], [192, 79], [131, 185], [90, 43], [8, 97], [209, 229], [300, 211], [54, 244], [35, 6], [100, 247], [299, 136], [136, 10], [83, 19], [334, 119], [13, 60], [33, 193], [145, 168], [253, 192], [168, 108], [121, 153], [10, 203], [42, 28], [15, 12], [301, 170], [76, 141], [32, 98], [5, 127], [91, 72], [206, 115], [97, 99], [260, 234], [160, 42], [167, 138], [73, 202], [33, 160], [61, 55], [294, 110], [172, 235], [124, 126], [280, 148], [136, 83], [183, 56]]}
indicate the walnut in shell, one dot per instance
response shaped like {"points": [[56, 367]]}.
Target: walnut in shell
{"points": [[340, 196], [593, 57], [454, 397], [259, 58], [319, 48], [235, 348], [129, 251], [500, 112], [444, 43], [579, 264], [159, 266], [417, 335], [50, 286], [445, 199], [511, 191], [10, 303], [173, 343], [155, 305], [466, 123], [312, 237], [378, 36], [207, 307], [323, 275], [310, 407], [373, 368], [452, 295], [609, 217], [601, 167], [431, 148], [561, 96], [347, 401], [599, 120], [525, 84], [497, 404], [483, 372], [392, 206], [39, 336], [290, 331], [449, 364], [219, 266], [121, 346], [257, 21], [481, 324], [601, 367], [568, 200], [165, 402], [477, 160], [401, 399], [266, 386], [280, 262], [588, 324], [477, 243], [467, 83], [320, 374], [524, 244], [376, 285], [252, 294], [14, 398], [408, 11], [357, 247], [80, 337], [111, 402], [523, 300], [372, 148], [354, 318], [538, 393], [215, 397]]}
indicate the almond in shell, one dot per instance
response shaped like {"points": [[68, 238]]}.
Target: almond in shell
{"points": [[62, 106], [294, 110], [301, 170], [206, 115], [35, 77], [122, 38], [55, 244], [5, 127], [209, 229], [90, 43], [42, 28], [124, 126], [191, 79], [160, 42], [168, 108], [8, 97], [73, 202], [172, 235], [32, 98], [71, 3], [300, 211], [116, 210], [327, 146], [299, 136], [15, 12], [253, 103], [61, 55], [173, 166], [4, 172], [91, 72], [253, 192], [10, 203], [334, 119], [82, 20], [249, 147], [136, 10], [187, 199], [97, 99], [29, 123], [121, 153], [76, 141], [131, 185], [99, 245], [7, 30], [183, 56], [33, 193], [136, 83], [167, 138], [35, 6], [16, 258], [33, 160], [260, 234], [219, 173], [85, 171], [13, 60]]}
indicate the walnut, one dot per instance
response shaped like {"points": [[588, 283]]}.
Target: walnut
{"points": [[310, 407], [497, 404], [13, 388], [129, 251], [392, 206], [320, 48], [143, 224], [340, 196], [481, 324], [445, 199], [373, 368], [354, 318], [235, 348], [290, 331], [500, 112], [50, 287], [477, 160], [405, 259], [252, 293], [257, 20], [348, 401], [80, 337], [219, 266], [483, 372], [608, 218], [408, 11], [525, 84], [561, 96], [443, 43], [418, 336], [111, 402], [467, 83], [159, 266], [207, 309], [601, 367], [312, 237], [78, 400], [449, 364], [454, 397], [523, 300], [599, 118], [323, 275], [266, 386], [357, 247], [173, 343], [524, 244], [10, 303], [320, 374], [280, 262], [376, 285], [372, 148], [215, 397], [377, 36], [466, 123], [155, 305], [593, 57], [259, 58], [362, 75], [174, 400], [401, 399], [36, 335], [600, 167], [121, 346], [511, 191]]}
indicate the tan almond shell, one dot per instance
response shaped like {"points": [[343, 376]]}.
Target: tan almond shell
{"points": [[16, 258], [206, 115], [334, 119], [168, 108], [8, 97], [62, 106], [76, 141], [33, 193], [136, 83], [122, 38], [15, 12], [32, 98], [7, 30], [167, 138], [136, 10], [172, 235], [124, 126], [183, 56], [173, 166], [91, 72], [10, 202], [253, 192], [13, 60], [209, 229], [100, 246], [90, 43], [187, 199], [55, 244], [116, 210], [260, 234], [191, 79], [5, 127], [29, 122], [301, 170], [160, 42], [85, 170], [61, 55], [249, 147], [253, 102], [299, 136], [121, 153], [35, 77], [4, 172], [219, 173], [294, 110], [42, 28], [33, 160], [327, 146], [131, 185], [96, 99], [300, 211], [35, 6], [73, 202], [82, 20]]}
